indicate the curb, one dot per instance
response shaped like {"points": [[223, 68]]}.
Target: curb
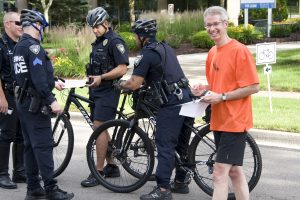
{"points": [[264, 137]]}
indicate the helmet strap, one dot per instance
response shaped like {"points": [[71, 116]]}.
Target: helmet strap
{"points": [[142, 41], [39, 30]]}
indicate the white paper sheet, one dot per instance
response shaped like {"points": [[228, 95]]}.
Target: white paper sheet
{"points": [[74, 83], [193, 108]]}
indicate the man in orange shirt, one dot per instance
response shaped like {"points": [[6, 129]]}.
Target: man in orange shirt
{"points": [[232, 78]]}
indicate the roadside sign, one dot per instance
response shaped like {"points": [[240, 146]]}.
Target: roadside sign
{"points": [[255, 4], [268, 69], [265, 53]]}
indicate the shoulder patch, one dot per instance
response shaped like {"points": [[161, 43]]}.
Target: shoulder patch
{"points": [[121, 48], [138, 60], [35, 48]]}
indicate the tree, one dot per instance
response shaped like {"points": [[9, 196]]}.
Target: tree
{"points": [[131, 11], [46, 7], [21, 4], [93, 3], [222, 3], [162, 5]]}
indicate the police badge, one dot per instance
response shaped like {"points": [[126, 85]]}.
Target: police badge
{"points": [[105, 42], [35, 48], [121, 48]]}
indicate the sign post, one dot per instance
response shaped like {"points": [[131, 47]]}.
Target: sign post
{"points": [[256, 4], [265, 55]]}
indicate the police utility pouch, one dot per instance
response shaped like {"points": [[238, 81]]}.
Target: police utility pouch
{"points": [[35, 102]]}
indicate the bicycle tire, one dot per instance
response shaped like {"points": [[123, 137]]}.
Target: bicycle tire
{"points": [[148, 126], [141, 155], [63, 137], [203, 146]]}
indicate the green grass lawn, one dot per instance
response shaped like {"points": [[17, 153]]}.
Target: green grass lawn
{"points": [[285, 115], [285, 74]]}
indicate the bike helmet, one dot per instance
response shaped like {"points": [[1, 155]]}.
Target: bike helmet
{"points": [[96, 16], [145, 27], [31, 16]]}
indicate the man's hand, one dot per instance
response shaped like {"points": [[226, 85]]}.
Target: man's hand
{"points": [[212, 98], [3, 105], [59, 85], [198, 89], [55, 107], [96, 81]]}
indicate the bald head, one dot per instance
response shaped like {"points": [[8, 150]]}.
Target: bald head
{"points": [[11, 16], [12, 25]]}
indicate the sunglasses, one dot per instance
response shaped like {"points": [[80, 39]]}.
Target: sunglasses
{"points": [[17, 23]]}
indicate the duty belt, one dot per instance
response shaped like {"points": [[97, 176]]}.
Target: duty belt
{"points": [[9, 87], [175, 88], [182, 83]]}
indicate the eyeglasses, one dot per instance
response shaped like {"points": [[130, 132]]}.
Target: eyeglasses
{"points": [[215, 24], [17, 23]]}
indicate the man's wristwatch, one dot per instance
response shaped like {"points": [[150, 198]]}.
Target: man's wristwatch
{"points": [[224, 98]]}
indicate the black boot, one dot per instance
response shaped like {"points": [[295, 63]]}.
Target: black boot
{"points": [[34, 194], [19, 175], [55, 193], [5, 181]]}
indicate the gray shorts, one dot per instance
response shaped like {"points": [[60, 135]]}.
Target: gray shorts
{"points": [[230, 147]]}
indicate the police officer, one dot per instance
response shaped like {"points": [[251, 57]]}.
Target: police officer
{"points": [[35, 80], [108, 63], [158, 67], [10, 130]]}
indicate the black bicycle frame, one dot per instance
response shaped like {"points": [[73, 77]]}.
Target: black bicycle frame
{"points": [[73, 98]]}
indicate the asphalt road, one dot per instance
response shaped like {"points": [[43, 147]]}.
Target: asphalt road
{"points": [[279, 180]]}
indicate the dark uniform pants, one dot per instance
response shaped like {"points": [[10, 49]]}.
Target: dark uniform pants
{"points": [[38, 141], [170, 135], [10, 130]]}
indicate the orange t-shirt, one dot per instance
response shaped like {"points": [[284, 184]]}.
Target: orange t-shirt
{"points": [[227, 68]]}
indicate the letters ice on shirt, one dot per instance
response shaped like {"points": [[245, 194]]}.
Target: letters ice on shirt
{"points": [[20, 65]]}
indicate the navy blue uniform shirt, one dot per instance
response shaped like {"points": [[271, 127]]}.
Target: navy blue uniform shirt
{"points": [[31, 61], [148, 64], [6, 50]]}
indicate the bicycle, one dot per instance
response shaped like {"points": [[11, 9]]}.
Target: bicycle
{"points": [[132, 144], [63, 133]]}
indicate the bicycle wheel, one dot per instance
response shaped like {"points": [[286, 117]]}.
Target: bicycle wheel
{"points": [[137, 152], [148, 126], [202, 155], [63, 137]]}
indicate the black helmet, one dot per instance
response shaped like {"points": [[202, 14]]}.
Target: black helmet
{"points": [[145, 27], [31, 16], [96, 16]]}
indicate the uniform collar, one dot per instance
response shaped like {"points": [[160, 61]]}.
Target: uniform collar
{"points": [[105, 36], [150, 41], [27, 36], [10, 42]]}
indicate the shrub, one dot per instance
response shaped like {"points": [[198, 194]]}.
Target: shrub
{"points": [[280, 30], [244, 35], [179, 29], [202, 40], [129, 39], [65, 67], [124, 27]]}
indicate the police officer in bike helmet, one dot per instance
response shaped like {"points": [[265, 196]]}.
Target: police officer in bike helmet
{"points": [[35, 81], [157, 67], [108, 63]]}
